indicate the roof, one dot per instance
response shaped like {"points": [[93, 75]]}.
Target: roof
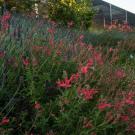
{"points": [[128, 5]]}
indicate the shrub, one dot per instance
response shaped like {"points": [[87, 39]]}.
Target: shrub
{"points": [[57, 87], [65, 11]]}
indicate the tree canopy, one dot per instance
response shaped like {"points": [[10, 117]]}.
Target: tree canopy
{"points": [[20, 5]]}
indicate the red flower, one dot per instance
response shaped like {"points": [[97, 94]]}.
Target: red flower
{"points": [[130, 101], [2, 54], [90, 47], [82, 44], [124, 118], [131, 112], [111, 50], [103, 106], [87, 94], [132, 126], [26, 61], [90, 63], [4, 20], [4, 121], [7, 15], [58, 52], [130, 95], [84, 69], [74, 77], [66, 83], [51, 30], [120, 74], [37, 105], [51, 42], [81, 37], [119, 105], [98, 58]]}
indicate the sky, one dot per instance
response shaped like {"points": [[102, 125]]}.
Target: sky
{"points": [[128, 5]]}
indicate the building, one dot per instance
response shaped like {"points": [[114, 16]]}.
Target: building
{"points": [[108, 12]]}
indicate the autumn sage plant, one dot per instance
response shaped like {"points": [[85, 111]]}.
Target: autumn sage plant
{"points": [[53, 82]]}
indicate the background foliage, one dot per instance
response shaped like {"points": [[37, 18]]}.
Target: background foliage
{"points": [[64, 11], [21, 5]]}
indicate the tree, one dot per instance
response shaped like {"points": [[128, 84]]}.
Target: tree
{"points": [[78, 11], [20, 5]]}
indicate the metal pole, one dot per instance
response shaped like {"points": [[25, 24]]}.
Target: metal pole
{"points": [[126, 17], [4, 6], [111, 13], [0, 10]]}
